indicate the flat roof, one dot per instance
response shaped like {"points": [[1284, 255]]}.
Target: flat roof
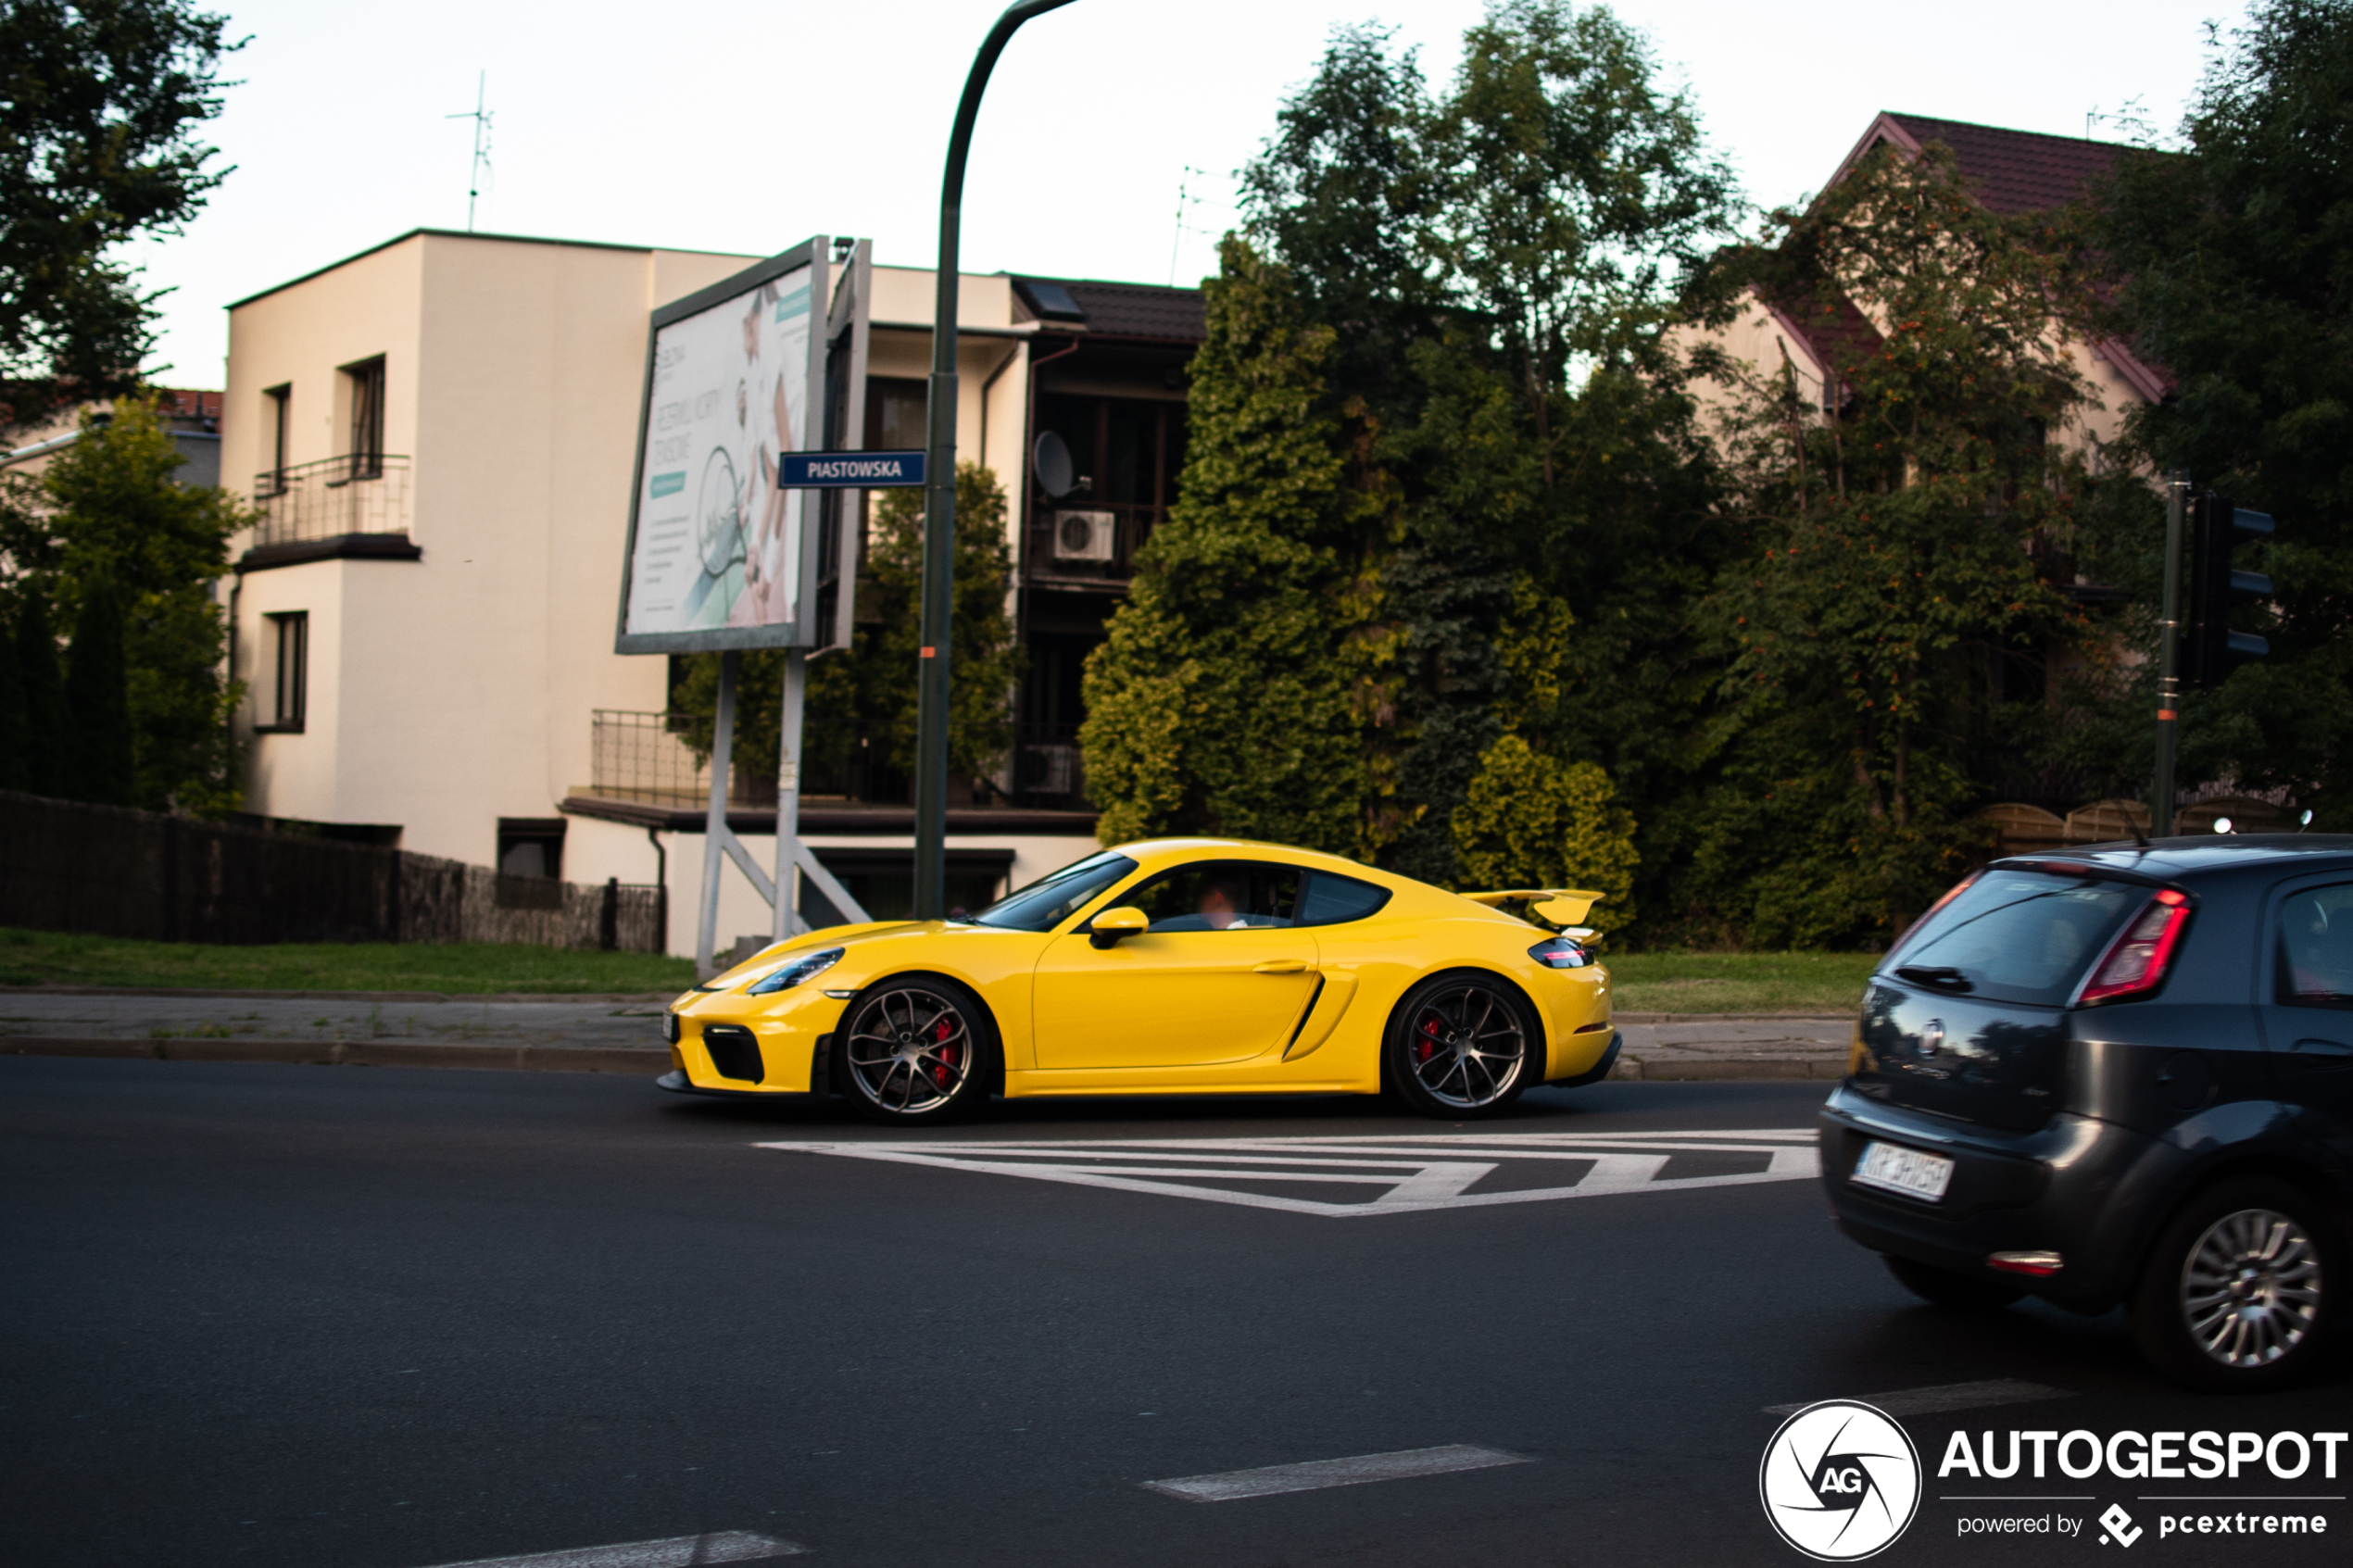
{"points": [[466, 234]]}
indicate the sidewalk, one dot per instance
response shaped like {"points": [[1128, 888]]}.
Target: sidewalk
{"points": [[623, 1034]]}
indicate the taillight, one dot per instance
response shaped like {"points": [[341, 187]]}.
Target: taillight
{"points": [[2137, 964], [1559, 952]]}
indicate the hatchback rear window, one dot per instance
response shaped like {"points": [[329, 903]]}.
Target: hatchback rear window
{"points": [[2019, 936]]}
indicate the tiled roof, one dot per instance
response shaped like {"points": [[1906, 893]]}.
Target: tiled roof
{"points": [[190, 404], [1145, 310], [2014, 171]]}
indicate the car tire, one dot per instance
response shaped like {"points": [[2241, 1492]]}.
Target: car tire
{"points": [[1943, 1287], [913, 1051], [2234, 1295], [1461, 1046]]}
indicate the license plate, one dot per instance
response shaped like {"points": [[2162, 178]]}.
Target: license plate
{"points": [[1906, 1170]]}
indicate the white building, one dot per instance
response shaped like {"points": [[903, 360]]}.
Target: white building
{"points": [[440, 433]]}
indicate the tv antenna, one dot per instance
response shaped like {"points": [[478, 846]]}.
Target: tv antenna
{"points": [[479, 115], [1185, 199]]}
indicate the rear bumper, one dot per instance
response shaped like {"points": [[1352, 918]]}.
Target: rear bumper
{"points": [[1596, 1073], [2076, 1186]]}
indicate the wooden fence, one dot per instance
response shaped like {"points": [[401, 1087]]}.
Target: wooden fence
{"points": [[113, 872]]}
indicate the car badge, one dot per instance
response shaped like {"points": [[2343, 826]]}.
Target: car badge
{"points": [[1932, 1037]]}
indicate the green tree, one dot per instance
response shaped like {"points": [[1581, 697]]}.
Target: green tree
{"points": [[1225, 698], [1528, 820], [100, 106], [2236, 256], [861, 701], [44, 697], [98, 752], [108, 510], [16, 737], [1887, 627]]}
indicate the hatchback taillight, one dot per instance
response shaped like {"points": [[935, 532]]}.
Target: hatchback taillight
{"points": [[2137, 964]]}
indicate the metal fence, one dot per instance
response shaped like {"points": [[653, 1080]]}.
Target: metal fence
{"points": [[644, 757], [109, 871], [353, 493]]}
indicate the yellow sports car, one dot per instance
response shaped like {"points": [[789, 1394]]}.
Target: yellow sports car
{"points": [[1178, 966]]}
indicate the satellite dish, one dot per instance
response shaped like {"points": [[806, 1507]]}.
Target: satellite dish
{"points": [[1051, 462]]}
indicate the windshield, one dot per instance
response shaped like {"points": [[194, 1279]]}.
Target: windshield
{"points": [[2020, 935], [1057, 896]]}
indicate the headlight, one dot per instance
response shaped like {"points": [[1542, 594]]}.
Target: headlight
{"points": [[793, 973], [1559, 952]]}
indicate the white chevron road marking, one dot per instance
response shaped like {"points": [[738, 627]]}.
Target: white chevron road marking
{"points": [[1414, 1173]]}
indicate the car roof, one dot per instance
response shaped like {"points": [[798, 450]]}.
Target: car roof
{"points": [[2208, 853]]}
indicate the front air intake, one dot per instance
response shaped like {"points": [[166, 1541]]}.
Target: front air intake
{"points": [[734, 1052]]}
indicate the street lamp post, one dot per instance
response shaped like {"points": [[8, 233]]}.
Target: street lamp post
{"points": [[939, 511]]}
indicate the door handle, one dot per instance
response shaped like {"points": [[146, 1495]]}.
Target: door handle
{"points": [[2322, 1056], [1281, 966]]}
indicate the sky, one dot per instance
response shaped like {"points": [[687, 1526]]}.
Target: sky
{"points": [[732, 126]]}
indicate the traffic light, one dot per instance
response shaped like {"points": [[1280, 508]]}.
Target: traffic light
{"points": [[2211, 650]]}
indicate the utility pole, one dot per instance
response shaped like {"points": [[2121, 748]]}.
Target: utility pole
{"points": [[933, 677], [2169, 641]]}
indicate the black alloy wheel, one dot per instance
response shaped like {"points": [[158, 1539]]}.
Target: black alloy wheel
{"points": [[915, 1050], [2235, 1297], [1461, 1045]]}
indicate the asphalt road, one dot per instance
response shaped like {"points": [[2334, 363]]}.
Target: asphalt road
{"points": [[351, 1318]]}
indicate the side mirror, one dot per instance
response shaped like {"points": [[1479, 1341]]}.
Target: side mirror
{"points": [[1114, 925]]}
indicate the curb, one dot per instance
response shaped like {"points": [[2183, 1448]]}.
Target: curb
{"points": [[352, 1053], [1747, 1070], [340, 995]]}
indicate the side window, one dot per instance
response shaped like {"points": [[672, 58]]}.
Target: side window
{"points": [[1219, 896], [1332, 899], [2316, 947]]}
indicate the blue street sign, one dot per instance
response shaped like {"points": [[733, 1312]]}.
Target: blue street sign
{"points": [[849, 471]]}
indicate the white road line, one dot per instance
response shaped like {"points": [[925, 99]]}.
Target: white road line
{"points": [[679, 1551], [1419, 1172], [1945, 1397], [1273, 1479]]}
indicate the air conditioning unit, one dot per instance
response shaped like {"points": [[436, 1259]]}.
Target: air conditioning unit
{"points": [[1086, 535]]}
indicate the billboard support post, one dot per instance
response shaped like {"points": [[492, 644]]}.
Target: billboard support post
{"points": [[933, 674], [715, 830], [788, 921]]}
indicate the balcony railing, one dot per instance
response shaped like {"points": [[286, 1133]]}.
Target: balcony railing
{"points": [[1086, 544], [643, 757], [353, 493]]}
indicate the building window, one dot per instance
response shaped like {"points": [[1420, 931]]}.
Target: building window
{"points": [[531, 846], [279, 399], [365, 382], [288, 646]]}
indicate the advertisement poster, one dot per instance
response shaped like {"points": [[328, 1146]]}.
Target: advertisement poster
{"points": [[718, 544]]}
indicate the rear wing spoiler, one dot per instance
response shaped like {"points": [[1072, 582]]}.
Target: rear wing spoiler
{"points": [[1560, 908]]}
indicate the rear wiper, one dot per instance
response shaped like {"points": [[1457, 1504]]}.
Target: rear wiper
{"points": [[1945, 977]]}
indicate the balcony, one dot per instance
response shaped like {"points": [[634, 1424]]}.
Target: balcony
{"points": [[1087, 547], [1050, 771], [353, 505], [644, 758]]}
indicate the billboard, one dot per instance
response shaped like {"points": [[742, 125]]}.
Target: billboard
{"points": [[720, 556]]}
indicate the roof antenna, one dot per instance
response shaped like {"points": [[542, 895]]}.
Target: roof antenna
{"points": [[479, 115], [2138, 836]]}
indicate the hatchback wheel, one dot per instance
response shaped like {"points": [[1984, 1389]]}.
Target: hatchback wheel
{"points": [[915, 1050], [2233, 1298], [1462, 1045]]}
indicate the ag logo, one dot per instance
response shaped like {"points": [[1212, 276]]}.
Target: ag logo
{"points": [[1840, 1481]]}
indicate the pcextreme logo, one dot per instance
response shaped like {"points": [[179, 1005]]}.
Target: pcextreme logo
{"points": [[1840, 1481]]}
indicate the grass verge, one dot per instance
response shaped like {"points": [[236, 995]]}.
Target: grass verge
{"points": [[51, 957], [1828, 985]]}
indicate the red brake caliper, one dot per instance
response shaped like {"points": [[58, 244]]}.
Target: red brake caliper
{"points": [[947, 1057], [1424, 1047]]}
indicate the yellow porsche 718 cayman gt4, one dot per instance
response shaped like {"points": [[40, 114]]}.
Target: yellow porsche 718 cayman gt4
{"points": [[1178, 966]]}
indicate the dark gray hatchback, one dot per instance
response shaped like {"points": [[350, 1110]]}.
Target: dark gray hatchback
{"points": [[2119, 1074]]}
